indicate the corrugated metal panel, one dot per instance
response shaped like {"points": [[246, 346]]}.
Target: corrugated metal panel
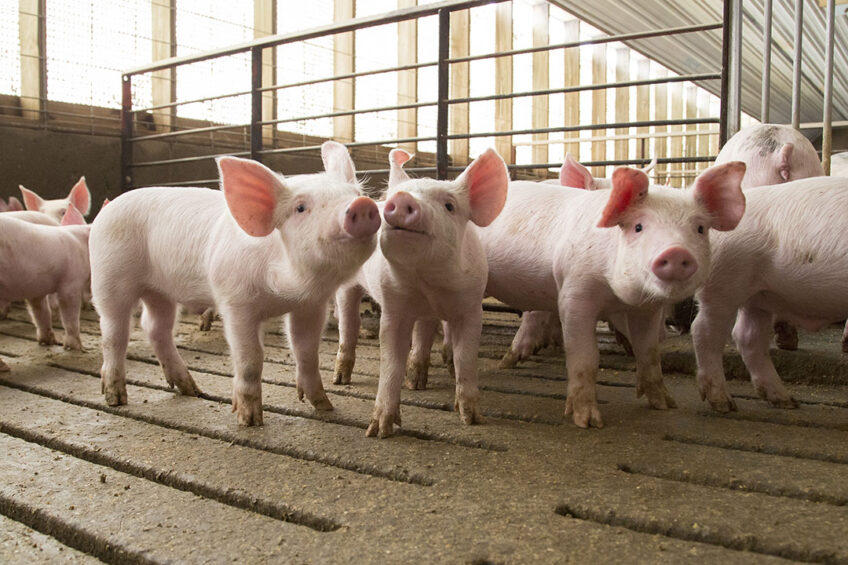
{"points": [[701, 52]]}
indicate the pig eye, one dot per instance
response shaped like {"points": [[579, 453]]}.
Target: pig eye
{"points": [[638, 228], [449, 206], [300, 208], [700, 229]]}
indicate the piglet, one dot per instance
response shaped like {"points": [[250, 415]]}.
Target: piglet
{"points": [[262, 246], [79, 196], [622, 253], [785, 259], [40, 260], [430, 267]]}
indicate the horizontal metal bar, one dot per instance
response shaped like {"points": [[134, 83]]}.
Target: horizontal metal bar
{"points": [[193, 101], [185, 132], [678, 122], [349, 75], [602, 86], [354, 144], [622, 162], [348, 113], [188, 159], [335, 28], [406, 169], [593, 41]]}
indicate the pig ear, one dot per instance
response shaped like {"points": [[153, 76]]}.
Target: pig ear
{"points": [[337, 161], [397, 157], [3, 206], [32, 201], [785, 155], [629, 188], [15, 204], [251, 190], [719, 190], [573, 174], [486, 180], [72, 217], [81, 197]]}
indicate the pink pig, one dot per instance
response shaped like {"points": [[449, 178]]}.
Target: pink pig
{"points": [[261, 247], [786, 259], [40, 260], [624, 253], [430, 267], [79, 196]]}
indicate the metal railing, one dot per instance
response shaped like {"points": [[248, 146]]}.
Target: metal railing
{"points": [[257, 149]]}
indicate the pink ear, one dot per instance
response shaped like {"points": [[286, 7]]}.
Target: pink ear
{"points": [[3, 206], [629, 188], [15, 204], [575, 175], [80, 197], [32, 201], [719, 190], [337, 161], [397, 157], [250, 189], [486, 179], [785, 155], [72, 217]]}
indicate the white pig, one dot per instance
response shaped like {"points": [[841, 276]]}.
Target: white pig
{"points": [[786, 258], [624, 252], [38, 260], [839, 164], [79, 196], [430, 267], [13, 205], [261, 247]]}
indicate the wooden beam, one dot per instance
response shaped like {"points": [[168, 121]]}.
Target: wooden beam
{"points": [[164, 82], [622, 101], [459, 85], [677, 141], [503, 80], [643, 107], [571, 64], [407, 120], [343, 63], [691, 141], [661, 113], [264, 24], [599, 105], [541, 72], [32, 30]]}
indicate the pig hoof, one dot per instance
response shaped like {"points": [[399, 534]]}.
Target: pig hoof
{"points": [[48, 339], [343, 372], [469, 412], [787, 403], [382, 423], [321, 403], [584, 415], [786, 336], [4, 368], [206, 319], [510, 360], [115, 397], [248, 412], [723, 403], [183, 381], [416, 376], [658, 397]]}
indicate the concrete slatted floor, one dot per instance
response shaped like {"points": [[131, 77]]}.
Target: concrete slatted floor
{"points": [[174, 479]]}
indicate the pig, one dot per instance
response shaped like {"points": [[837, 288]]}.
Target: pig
{"points": [[79, 196], [39, 260], [263, 246], [33, 218], [624, 252], [774, 154], [786, 259], [430, 267], [839, 164], [13, 205]]}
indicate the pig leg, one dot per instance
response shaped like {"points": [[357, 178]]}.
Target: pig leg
{"points": [[752, 334], [39, 311], [465, 336], [644, 337], [158, 319], [347, 313], [305, 328], [447, 350], [115, 319], [530, 338], [845, 339], [423, 334], [581, 361], [206, 319], [785, 335], [69, 311], [709, 334], [4, 368], [4, 309], [243, 331], [395, 342]]}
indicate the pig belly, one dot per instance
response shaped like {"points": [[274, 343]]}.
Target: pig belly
{"points": [[21, 279], [519, 286]]}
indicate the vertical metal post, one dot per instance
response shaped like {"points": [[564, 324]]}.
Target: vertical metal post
{"points": [[734, 72], [764, 105], [126, 132], [255, 103], [442, 105], [725, 63], [796, 66], [827, 117]]}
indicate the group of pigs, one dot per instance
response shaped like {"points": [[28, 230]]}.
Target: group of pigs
{"points": [[749, 241]]}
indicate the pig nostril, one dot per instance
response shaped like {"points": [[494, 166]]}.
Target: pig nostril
{"points": [[409, 209]]}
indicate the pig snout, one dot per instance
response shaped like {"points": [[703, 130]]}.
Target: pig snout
{"points": [[402, 211], [361, 218], [674, 264]]}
